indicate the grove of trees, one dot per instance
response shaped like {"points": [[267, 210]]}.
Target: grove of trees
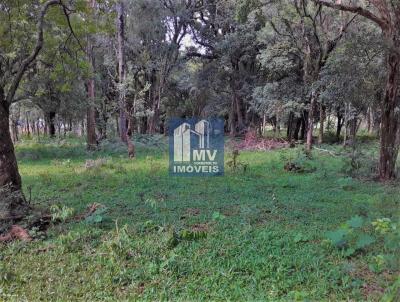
{"points": [[116, 68]]}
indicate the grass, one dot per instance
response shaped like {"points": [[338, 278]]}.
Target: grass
{"points": [[254, 235]]}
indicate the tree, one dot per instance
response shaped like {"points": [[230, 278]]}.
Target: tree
{"points": [[15, 61], [225, 35], [386, 14], [91, 110], [121, 69]]}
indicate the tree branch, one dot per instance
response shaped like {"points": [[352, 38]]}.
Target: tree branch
{"points": [[39, 44], [200, 55], [331, 45], [357, 10], [70, 27]]}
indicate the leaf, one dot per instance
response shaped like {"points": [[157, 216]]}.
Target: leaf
{"points": [[97, 217], [364, 240], [337, 237], [349, 252], [392, 242], [218, 216], [355, 222]]}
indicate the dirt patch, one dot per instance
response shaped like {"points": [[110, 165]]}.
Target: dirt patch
{"points": [[190, 212], [200, 227], [254, 142], [16, 233], [193, 211], [370, 288]]}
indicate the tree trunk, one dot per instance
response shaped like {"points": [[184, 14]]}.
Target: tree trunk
{"points": [[339, 124], [91, 118], [28, 130], [241, 124], [353, 131], [299, 122], [389, 136], [369, 119], [263, 125], [121, 71], [322, 116], [12, 201], [37, 129], [91, 111], [289, 130], [52, 127], [346, 122], [304, 125], [231, 121], [310, 126]]}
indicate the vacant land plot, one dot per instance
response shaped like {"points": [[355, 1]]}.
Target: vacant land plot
{"points": [[258, 233]]}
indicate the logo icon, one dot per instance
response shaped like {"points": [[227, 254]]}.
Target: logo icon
{"points": [[196, 147]]}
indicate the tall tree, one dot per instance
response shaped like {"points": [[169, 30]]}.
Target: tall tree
{"points": [[13, 69], [121, 69], [91, 110], [386, 14]]}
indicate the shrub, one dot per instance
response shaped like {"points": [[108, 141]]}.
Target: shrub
{"points": [[350, 237]]}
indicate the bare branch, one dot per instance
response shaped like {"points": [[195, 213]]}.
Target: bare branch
{"points": [[333, 43], [357, 10], [200, 55], [70, 27]]}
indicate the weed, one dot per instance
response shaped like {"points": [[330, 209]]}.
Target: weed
{"points": [[235, 164], [251, 236]]}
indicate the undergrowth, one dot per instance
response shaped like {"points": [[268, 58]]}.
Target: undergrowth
{"points": [[260, 234]]}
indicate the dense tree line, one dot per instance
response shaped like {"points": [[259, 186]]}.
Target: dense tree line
{"points": [[107, 68]]}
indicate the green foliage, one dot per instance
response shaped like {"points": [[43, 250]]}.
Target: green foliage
{"points": [[337, 237], [384, 225], [217, 216], [98, 216], [192, 234], [356, 222], [350, 237], [61, 213], [300, 163], [269, 236], [235, 164]]}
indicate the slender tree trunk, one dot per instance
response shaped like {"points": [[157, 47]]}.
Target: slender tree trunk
{"points": [[339, 125], [37, 129], [91, 118], [322, 116], [345, 123], [289, 130], [353, 131], [241, 124], [369, 120], [310, 125], [389, 134], [28, 131], [117, 124], [51, 120], [91, 111], [264, 124], [231, 121], [121, 70], [304, 125]]}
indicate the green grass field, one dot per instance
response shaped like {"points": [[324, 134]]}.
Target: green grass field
{"points": [[259, 234]]}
